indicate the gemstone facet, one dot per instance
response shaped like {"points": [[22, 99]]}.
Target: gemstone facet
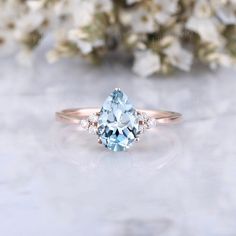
{"points": [[118, 123]]}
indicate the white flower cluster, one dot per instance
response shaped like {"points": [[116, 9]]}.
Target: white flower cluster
{"points": [[161, 35]]}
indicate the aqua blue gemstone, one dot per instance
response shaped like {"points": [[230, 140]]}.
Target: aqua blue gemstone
{"points": [[118, 124]]}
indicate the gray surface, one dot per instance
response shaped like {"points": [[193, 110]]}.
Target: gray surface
{"points": [[179, 180]]}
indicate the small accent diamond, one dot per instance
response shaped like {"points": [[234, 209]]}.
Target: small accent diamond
{"points": [[151, 122], [93, 129], [93, 118], [84, 124]]}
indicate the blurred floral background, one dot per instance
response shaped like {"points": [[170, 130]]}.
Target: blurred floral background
{"points": [[159, 36]]}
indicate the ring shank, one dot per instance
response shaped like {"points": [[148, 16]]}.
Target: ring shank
{"points": [[74, 116]]}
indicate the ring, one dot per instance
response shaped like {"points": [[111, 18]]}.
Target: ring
{"points": [[118, 124]]}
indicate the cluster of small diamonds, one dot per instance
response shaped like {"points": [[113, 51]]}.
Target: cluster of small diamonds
{"points": [[90, 124], [145, 121]]}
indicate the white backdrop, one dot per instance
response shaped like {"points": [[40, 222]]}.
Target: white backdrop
{"points": [[179, 180]]}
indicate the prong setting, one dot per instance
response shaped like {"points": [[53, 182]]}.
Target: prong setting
{"points": [[99, 141]]}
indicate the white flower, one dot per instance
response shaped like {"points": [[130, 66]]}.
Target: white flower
{"points": [[82, 12], [30, 21], [217, 59], [104, 5], [63, 7], [226, 15], [202, 9], [140, 20], [206, 28], [146, 63], [204, 24], [226, 12], [84, 46], [87, 47], [35, 5], [178, 56], [165, 10], [82, 43]]}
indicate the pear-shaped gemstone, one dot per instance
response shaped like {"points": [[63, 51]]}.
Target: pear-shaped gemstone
{"points": [[118, 124]]}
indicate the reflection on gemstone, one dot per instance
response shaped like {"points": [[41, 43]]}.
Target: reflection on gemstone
{"points": [[118, 124]]}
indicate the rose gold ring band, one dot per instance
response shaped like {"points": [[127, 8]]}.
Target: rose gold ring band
{"points": [[74, 116]]}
